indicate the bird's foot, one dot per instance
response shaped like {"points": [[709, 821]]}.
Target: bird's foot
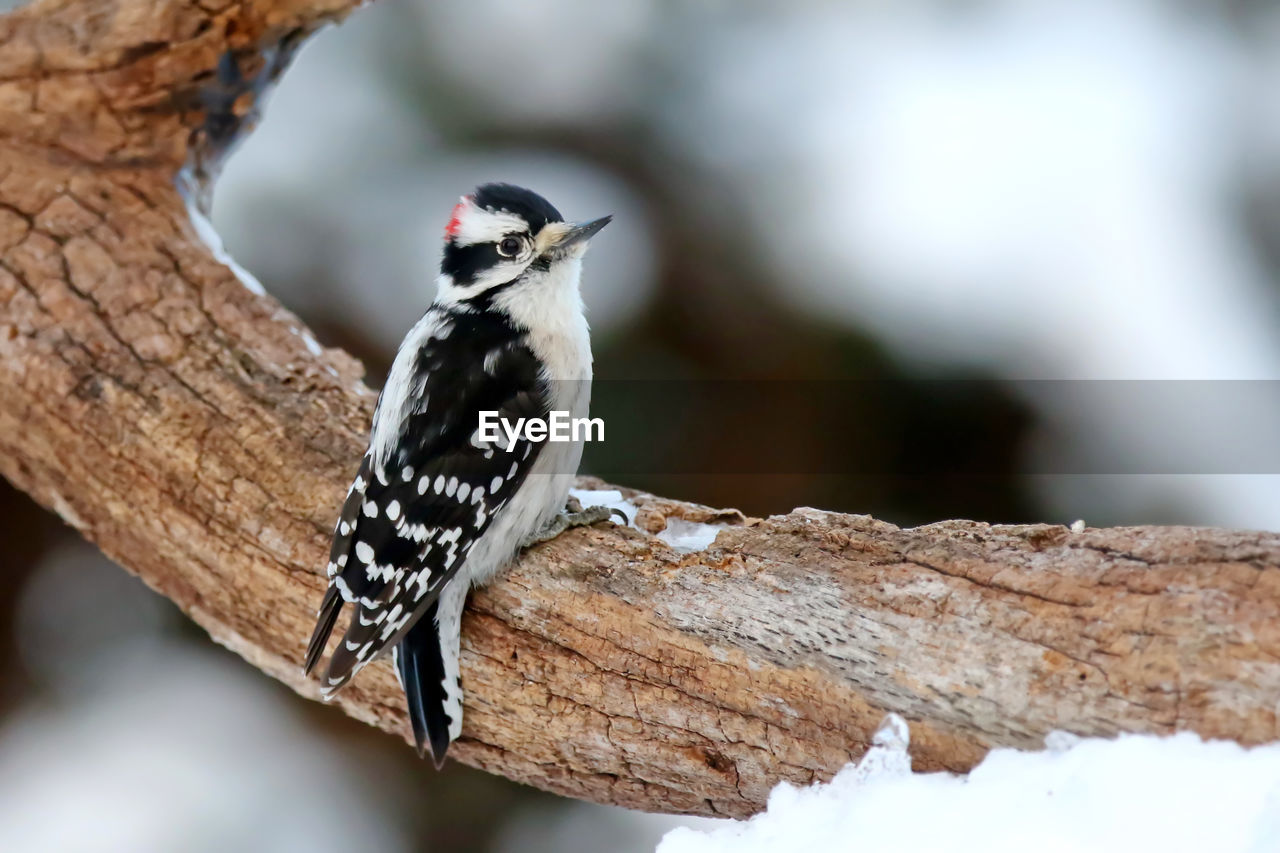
{"points": [[574, 516]]}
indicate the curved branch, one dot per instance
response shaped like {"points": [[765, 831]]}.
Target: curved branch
{"points": [[194, 430]]}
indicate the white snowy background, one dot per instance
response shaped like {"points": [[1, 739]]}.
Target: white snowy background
{"points": [[1046, 190]]}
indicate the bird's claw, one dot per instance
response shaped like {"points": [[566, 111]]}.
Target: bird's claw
{"points": [[575, 516]]}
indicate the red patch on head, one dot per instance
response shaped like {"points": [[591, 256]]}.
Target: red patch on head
{"points": [[455, 221]]}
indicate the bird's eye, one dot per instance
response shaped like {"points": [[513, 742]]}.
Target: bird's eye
{"points": [[509, 247]]}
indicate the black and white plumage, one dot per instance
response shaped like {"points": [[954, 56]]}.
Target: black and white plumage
{"points": [[434, 509]]}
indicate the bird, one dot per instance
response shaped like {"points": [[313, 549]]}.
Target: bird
{"points": [[439, 505]]}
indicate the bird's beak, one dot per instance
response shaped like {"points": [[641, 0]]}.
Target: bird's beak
{"points": [[580, 233]]}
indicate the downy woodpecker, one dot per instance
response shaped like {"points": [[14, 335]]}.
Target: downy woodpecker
{"points": [[434, 508]]}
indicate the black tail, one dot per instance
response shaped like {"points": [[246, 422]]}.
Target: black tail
{"points": [[422, 671], [328, 614]]}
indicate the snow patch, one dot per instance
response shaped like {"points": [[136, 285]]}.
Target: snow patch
{"points": [[187, 188], [313, 346], [209, 236], [689, 536], [1137, 792]]}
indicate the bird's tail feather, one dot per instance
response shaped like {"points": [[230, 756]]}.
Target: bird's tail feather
{"points": [[420, 661], [328, 614]]}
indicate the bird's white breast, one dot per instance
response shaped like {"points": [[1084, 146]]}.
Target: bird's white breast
{"points": [[551, 309]]}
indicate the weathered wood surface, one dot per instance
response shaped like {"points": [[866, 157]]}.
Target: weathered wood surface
{"points": [[193, 430]]}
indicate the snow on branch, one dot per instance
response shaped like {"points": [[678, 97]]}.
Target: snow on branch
{"points": [[192, 428], [1137, 792]]}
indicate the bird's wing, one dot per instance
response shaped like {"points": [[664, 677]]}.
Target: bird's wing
{"points": [[427, 492]]}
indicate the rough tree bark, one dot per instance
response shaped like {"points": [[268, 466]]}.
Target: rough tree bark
{"points": [[192, 429]]}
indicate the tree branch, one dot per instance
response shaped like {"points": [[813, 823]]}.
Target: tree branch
{"points": [[193, 430]]}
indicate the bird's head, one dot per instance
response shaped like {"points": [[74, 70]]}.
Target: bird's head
{"points": [[503, 237]]}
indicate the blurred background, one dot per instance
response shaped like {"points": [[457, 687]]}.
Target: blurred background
{"points": [[1032, 197]]}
